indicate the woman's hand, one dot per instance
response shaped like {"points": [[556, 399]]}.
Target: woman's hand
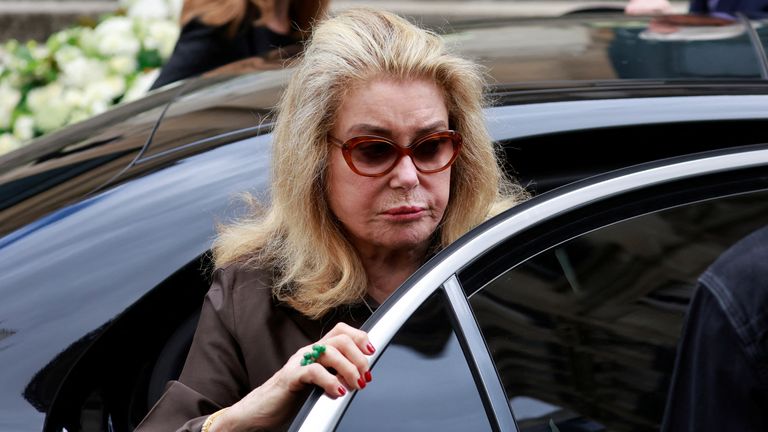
{"points": [[272, 403]]}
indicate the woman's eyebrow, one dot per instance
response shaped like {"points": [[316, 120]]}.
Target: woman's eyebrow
{"points": [[432, 127], [367, 128], [370, 129]]}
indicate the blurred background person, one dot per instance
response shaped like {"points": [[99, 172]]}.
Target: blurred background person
{"points": [[648, 7], [215, 33], [720, 380], [651, 7]]}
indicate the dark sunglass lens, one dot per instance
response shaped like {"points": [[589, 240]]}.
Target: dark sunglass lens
{"points": [[434, 153], [373, 157]]}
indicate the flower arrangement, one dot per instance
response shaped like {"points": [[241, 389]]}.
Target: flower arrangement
{"points": [[82, 71]]}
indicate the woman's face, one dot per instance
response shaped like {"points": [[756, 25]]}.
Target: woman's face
{"points": [[400, 210]]}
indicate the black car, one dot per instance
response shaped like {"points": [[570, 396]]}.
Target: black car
{"points": [[646, 158]]}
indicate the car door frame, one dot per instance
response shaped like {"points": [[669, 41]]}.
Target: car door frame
{"points": [[323, 413]]}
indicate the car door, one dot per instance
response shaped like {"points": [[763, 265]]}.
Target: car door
{"points": [[583, 314], [565, 309]]}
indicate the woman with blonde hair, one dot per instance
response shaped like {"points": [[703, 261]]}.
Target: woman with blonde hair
{"points": [[380, 159]]}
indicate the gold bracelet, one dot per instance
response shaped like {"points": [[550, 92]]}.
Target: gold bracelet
{"points": [[211, 418]]}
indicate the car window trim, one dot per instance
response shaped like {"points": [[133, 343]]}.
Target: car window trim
{"points": [[479, 358], [757, 44]]}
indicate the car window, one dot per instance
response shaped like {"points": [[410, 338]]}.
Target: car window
{"points": [[421, 381], [584, 335]]}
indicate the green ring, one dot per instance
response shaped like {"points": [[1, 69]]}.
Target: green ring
{"points": [[312, 356]]}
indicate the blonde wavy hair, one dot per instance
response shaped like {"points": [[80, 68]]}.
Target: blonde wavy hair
{"points": [[316, 267]]}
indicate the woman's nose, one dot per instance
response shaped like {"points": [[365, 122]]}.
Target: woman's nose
{"points": [[404, 175]]}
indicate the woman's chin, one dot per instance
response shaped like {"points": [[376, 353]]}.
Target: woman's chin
{"points": [[415, 240]]}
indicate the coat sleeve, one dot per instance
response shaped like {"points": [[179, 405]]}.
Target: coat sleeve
{"points": [[214, 375], [715, 386]]}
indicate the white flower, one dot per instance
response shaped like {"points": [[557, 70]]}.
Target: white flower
{"points": [[115, 36], [24, 128], [17, 64], [73, 98], [83, 71], [58, 39], [122, 65], [67, 54], [98, 96], [153, 9], [14, 79], [88, 41], [49, 108], [8, 143], [9, 98], [162, 36], [4, 59], [175, 7], [39, 52], [141, 85], [79, 115], [148, 9]]}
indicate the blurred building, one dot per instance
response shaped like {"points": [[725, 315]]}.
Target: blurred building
{"points": [[38, 19]]}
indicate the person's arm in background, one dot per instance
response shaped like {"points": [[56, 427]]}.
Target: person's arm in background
{"points": [[647, 7], [716, 385]]}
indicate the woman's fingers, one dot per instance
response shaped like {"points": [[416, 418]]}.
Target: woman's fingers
{"points": [[356, 362], [318, 375], [359, 337], [345, 350], [352, 370]]}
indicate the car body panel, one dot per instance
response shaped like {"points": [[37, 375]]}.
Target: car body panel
{"points": [[88, 284], [223, 105], [61, 168]]}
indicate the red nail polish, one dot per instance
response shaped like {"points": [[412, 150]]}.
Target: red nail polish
{"points": [[368, 377], [342, 391], [361, 382], [371, 349]]}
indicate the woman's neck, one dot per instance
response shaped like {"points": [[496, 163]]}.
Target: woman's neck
{"points": [[387, 271]]}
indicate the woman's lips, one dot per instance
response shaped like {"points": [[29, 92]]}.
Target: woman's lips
{"points": [[405, 213]]}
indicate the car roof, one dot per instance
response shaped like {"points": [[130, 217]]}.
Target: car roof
{"points": [[579, 57]]}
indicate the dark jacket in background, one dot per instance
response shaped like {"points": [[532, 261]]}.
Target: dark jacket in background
{"points": [[729, 6], [720, 382], [202, 48]]}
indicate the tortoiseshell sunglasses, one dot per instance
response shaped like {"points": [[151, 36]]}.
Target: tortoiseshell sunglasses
{"points": [[375, 156]]}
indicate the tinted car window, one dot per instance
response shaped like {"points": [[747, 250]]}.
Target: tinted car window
{"points": [[584, 335], [615, 47], [421, 381], [663, 48]]}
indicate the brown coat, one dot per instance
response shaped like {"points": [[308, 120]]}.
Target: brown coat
{"points": [[244, 336]]}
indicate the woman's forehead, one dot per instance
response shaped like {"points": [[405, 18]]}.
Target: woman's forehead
{"points": [[380, 106]]}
